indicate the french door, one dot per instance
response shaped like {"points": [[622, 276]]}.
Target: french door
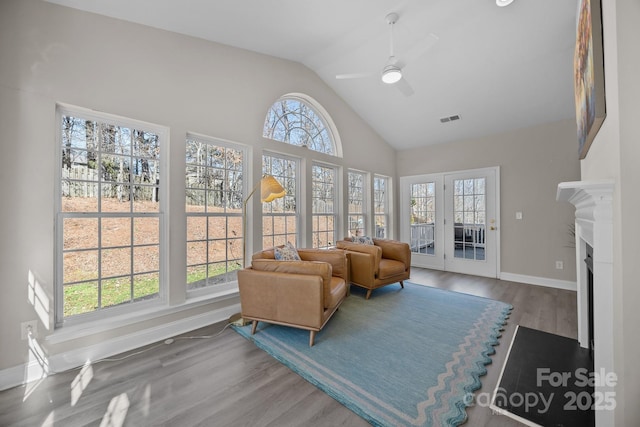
{"points": [[451, 220]]}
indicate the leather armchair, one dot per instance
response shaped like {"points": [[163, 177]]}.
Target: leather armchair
{"points": [[301, 294], [373, 266]]}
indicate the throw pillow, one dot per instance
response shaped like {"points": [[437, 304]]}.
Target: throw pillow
{"points": [[363, 240], [287, 252]]}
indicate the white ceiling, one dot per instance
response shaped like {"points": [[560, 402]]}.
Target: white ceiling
{"points": [[499, 68]]}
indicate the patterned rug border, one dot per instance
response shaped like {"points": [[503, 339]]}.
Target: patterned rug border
{"points": [[462, 376]]}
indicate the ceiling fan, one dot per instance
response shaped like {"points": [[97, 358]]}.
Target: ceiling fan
{"points": [[392, 70]]}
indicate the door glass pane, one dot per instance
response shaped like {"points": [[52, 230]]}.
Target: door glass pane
{"points": [[469, 213], [423, 217]]}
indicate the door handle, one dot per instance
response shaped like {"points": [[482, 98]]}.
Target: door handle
{"points": [[492, 228]]}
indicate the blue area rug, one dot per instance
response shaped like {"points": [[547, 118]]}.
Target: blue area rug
{"points": [[406, 357]]}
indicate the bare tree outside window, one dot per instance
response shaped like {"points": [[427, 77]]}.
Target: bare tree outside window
{"points": [[109, 219], [357, 204], [280, 217], [323, 201], [295, 122], [381, 206], [214, 199]]}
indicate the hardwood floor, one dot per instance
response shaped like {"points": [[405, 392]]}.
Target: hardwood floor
{"points": [[227, 381]]}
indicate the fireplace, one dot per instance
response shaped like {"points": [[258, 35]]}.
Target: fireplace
{"points": [[589, 263], [594, 274]]}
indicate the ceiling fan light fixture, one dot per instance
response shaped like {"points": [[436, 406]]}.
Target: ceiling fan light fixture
{"points": [[503, 3], [391, 74]]}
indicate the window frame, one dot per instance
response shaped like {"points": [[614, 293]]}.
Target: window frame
{"points": [[297, 197], [131, 307], [322, 114], [386, 198], [227, 284], [335, 202], [364, 201]]}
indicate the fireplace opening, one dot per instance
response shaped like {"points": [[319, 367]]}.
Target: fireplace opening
{"points": [[589, 263]]}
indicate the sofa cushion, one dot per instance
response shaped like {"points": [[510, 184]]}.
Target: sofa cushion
{"points": [[393, 249], [390, 268], [375, 252], [264, 254], [337, 291], [311, 268], [287, 252], [335, 257], [372, 250]]}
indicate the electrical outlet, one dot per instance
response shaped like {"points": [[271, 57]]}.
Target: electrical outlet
{"points": [[29, 327], [559, 265]]}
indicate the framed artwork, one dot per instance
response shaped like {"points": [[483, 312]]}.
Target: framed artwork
{"points": [[588, 67]]}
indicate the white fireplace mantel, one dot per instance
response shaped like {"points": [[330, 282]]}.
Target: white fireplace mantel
{"points": [[594, 226], [592, 200]]}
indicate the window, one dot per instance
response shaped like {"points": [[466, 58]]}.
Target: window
{"points": [[299, 120], [381, 206], [280, 217], [423, 217], [469, 217], [357, 205], [323, 205], [214, 198], [109, 215]]}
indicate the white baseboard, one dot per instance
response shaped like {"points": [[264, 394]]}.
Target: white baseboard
{"points": [[33, 369], [539, 281], [21, 374]]}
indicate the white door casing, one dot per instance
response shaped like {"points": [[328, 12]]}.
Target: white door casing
{"points": [[452, 220]]}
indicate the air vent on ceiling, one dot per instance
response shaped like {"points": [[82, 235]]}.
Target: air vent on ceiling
{"points": [[450, 118]]}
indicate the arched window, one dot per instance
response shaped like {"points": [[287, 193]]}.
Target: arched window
{"points": [[299, 120]]}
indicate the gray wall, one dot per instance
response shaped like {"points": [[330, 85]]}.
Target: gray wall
{"points": [[532, 162], [54, 54], [614, 155]]}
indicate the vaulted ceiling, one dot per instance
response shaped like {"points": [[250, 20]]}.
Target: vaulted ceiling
{"points": [[498, 68]]}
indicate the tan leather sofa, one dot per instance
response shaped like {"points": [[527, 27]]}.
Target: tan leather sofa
{"points": [[373, 266], [302, 294]]}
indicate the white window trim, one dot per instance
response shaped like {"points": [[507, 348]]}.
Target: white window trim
{"points": [[75, 330], [367, 200], [217, 290], [388, 205], [337, 205], [324, 115], [300, 213], [118, 311]]}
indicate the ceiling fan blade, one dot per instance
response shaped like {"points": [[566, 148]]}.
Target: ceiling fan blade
{"points": [[352, 76], [393, 64], [403, 86]]}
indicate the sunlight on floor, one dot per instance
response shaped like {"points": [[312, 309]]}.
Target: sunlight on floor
{"points": [[116, 412], [146, 401], [37, 368], [80, 382], [50, 420]]}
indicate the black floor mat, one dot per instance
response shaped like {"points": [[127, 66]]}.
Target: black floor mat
{"points": [[546, 380]]}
